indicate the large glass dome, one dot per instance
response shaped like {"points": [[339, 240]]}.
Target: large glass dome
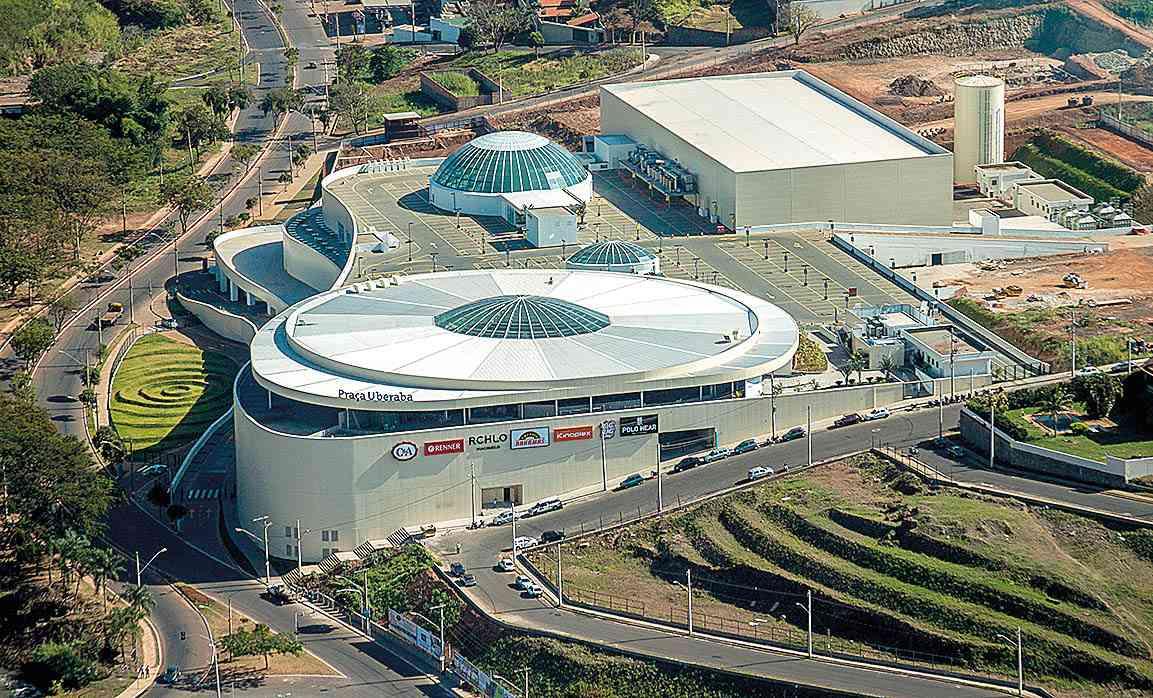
{"points": [[509, 161], [611, 252], [521, 317]]}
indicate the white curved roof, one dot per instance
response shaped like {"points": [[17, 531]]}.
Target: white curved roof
{"points": [[407, 340]]}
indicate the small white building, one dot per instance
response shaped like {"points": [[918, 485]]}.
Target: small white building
{"points": [[911, 337], [996, 180], [550, 226], [1049, 198]]}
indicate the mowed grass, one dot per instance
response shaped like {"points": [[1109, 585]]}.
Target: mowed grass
{"points": [[1119, 438], [896, 570], [522, 73], [166, 393]]}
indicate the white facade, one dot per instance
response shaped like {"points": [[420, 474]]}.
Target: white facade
{"points": [[1049, 198], [996, 180], [784, 147], [550, 227], [979, 124]]}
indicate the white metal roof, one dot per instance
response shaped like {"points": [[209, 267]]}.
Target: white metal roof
{"points": [[386, 340], [770, 121]]}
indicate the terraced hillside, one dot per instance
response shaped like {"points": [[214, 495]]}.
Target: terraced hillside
{"points": [[896, 570], [167, 392]]}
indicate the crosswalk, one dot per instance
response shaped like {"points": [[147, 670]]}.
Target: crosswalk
{"points": [[203, 494]]}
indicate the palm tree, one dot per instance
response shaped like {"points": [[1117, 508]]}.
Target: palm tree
{"points": [[888, 365], [71, 547], [140, 599], [859, 362], [105, 565], [1055, 401]]}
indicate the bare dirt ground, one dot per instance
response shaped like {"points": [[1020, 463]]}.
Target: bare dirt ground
{"points": [[1126, 271], [1132, 153], [1097, 11]]}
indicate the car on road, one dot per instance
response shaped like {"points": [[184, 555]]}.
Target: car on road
{"points": [[170, 676], [874, 415], [311, 65], [154, 469], [716, 454], [551, 536], [533, 591], [847, 420], [468, 580], [521, 582], [522, 542], [279, 594], [632, 481], [759, 472], [545, 506], [955, 451], [456, 569], [506, 517], [687, 463], [745, 446], [1088, 371], [506, 564], [792, 434]]}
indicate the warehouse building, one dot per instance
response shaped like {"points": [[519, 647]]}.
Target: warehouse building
{"points": [[779, 147]]}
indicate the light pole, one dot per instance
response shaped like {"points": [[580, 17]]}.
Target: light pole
{"points": [[139, 569], [604, 460], [809, 431], [772, 407], [808, 606], [660, 492], [1073, 341], [410, 241], [992, 429], [952, 364], [438, 607], [267, 563], [1020, 660], [688, 587]]}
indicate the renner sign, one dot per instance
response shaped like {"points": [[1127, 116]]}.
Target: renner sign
{"points": [[442, 448]]}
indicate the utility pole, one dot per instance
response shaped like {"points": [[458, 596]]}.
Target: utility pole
{"points": [[604, 460], [689, 589], [992, 430], [559, 579], [809, 431], [660, 492], [772, 407], [296, 531], [952, 358], [472, 490], [131, 299]]}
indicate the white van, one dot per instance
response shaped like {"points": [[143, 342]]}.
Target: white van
{"points": [[546, 505], [759, 472]]}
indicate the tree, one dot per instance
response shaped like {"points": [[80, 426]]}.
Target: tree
{"points": [[387, 61], [888, 365], [109, 444], [1099, 391], [291, 56], [104, 564], [352, 62], [536, 40], [199, 126], [216, 99], [859, 362], [17, 267], [349, 101], [245, 153], [802, 18], [32, 340], [496, 22], [186, 196], [1055, 401], [239, 96], [159, 496], [22, 387], [280, 101], [60, 310], [259, 641]]}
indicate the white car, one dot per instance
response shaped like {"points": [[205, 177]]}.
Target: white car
{"points": [[522, 582], [506, 565], [759, 472], [533, 591], [506, 517], [1088, 370], [716, 454], [872, 415], [521, 542]]}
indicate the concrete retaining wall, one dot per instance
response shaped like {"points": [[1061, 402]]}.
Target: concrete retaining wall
{"points": [[222, 322], [307, 265]]}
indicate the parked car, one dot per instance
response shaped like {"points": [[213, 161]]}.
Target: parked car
{"points": [[792, 434], [506, 517], [533, 591], [745, 446], [456, 569], [759, 472], [632, 481], [716, 454], [280, 595], [546, 505], [521, 542], [154, 469], [521, 582], [468, 580], [506, 564], [872, 415], [551, 536], [687, 463], [955, 451], [847, 420]]}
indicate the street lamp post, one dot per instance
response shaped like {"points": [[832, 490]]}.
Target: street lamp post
{"points": [[809, 431], [410, 241], [808, 606], [267, 563], [1020, 659], [139, 569]]}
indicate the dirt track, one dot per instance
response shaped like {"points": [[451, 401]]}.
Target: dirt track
{"points": [[1129, 152], [1096, 11]]}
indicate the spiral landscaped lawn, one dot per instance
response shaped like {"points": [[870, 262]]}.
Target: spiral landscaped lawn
{"points": [[167, 392]]}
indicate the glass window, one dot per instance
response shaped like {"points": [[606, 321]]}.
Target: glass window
{"points": [[619, 401], [574, 405], [534, 410], [672, 396], [720, 391], [495, 413]]}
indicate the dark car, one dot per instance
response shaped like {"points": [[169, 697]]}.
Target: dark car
{"points": [[686, 464], [847, 420], [632, 481], [792, 434], [551, 536], [745, 446]]}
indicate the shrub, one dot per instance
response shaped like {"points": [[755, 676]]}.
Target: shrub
{"points": [[55, 664], [1079, 428], [1100, 393]]}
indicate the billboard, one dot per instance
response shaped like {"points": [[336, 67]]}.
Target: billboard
{"points": [[413, 633], [572, 433], [640, 425], [533, 437]]}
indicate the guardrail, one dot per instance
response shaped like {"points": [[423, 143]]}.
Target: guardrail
{"points": [[174, 487]]}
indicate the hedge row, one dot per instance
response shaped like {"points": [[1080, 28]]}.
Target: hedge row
{"points": [[1046, 655], [1053, 168], [1076, 155], [958, 583]]}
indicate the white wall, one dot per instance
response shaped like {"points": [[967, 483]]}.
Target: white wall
{"points": [[308, 265], [220, 321], [917, 250]]}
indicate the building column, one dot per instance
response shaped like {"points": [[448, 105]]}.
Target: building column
{"points": [[233, 292], [249, 299], [222, 281]]}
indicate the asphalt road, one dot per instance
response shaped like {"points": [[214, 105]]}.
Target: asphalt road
{"points": [[481, 549]]}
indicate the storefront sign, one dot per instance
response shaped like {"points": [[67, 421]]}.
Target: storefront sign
{"points": [[639, 426], [535, 437], [441, 448], [572, 433], [374, 396], [488, 442], [405, 450], [608, 429]]}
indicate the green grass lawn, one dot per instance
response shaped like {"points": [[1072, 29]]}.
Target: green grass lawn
{"points": [[458, 84], [1119, 439], [522, 73], [183, 51], [166, 393]]}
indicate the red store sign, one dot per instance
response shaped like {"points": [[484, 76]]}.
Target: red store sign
{"points": [[572, 433], [441, 448]]}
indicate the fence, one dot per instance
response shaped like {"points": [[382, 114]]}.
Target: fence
{"points": [[1111, 123]]}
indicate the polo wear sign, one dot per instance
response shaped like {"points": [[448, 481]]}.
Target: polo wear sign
{"points": [[443, 448], [572, 433], [639, 426], [535, 437]]}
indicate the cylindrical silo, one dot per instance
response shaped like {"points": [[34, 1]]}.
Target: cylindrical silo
{"points": [[979, 124]]}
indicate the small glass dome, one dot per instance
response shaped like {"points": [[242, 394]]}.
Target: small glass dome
{"points": [[611, 253], [521, 317], [509, 161]]}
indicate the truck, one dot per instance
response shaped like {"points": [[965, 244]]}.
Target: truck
{"points": [[112, 314]]}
